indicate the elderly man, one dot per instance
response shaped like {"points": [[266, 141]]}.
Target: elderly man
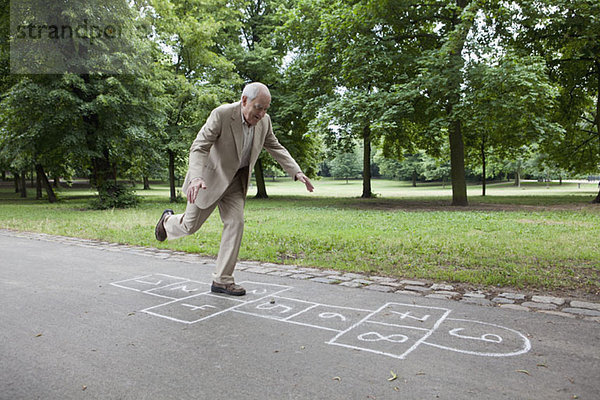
{"points": [[221, 158]]}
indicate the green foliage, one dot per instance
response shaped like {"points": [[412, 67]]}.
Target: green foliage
{"points": [[114, 195], [346, 165], [566, 33]]}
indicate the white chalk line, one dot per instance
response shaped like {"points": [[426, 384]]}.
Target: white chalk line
{"points": [[525, 349], [340, 333], [332, 341], [128, 280], [242, 303], [397, 326], [422, 339], [138, 279], [301, 312], [399, 356]]}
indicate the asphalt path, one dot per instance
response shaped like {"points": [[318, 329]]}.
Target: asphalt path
{"points": [[86, 323]]}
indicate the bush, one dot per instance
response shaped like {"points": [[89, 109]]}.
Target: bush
{"points": [[114, 195]]}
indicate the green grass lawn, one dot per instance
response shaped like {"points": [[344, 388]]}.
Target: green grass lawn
{"points": [[534, 237]]}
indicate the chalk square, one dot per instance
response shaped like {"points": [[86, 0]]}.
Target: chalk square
{"points": [[392, 341], [479, 338], [330, 317], [258, 290], [409, 315], [194, 309], [274, 307], [180, 290], [148, 282]]}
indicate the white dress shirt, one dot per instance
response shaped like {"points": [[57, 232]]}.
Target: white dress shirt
{"points": [[248, 139]]}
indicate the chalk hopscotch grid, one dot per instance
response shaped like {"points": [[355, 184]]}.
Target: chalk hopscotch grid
{"points": [[271, 304], [312, 306], [181, 281], [209, 294], [365, 321]]}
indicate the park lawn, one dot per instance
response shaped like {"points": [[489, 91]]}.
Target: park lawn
{"points": [[534, 237]]}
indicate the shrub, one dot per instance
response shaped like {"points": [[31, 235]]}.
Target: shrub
{"points": [[114, 195]]}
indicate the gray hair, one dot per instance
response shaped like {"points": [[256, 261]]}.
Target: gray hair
{"points": [[252, 90]]}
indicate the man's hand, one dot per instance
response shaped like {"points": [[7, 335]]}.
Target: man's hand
{"points": [[194, 188], [304, 179]]}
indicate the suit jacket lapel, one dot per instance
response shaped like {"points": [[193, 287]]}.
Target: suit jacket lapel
{"points": [[236, 129]]}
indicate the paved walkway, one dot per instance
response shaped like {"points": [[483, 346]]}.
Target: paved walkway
{"points": [[85, 319], [566, 307]]}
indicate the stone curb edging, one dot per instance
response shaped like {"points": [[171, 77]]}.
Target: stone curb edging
{"points": [[569, 308]]}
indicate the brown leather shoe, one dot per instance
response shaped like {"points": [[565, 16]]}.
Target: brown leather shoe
{"points": [[159, 231], [228, 288]]}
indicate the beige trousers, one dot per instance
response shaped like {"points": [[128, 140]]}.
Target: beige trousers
{"points": [[231, 208]]}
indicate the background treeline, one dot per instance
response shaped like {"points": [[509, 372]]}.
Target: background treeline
{"points": [[436, 90]]}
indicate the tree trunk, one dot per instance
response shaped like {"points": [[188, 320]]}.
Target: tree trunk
{"points": [[146, 183], [16, 178], [173, 197], [518, 177], [102, 171], [414, 178], [38, 185], [45, 182], [3, 175], [483, 181], [456, 42], [23, 185], [457, 165], [261, 189], [597, 199], [367, 192]]}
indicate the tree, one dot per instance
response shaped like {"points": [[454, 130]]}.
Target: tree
{"points": [[195, 76], [98, 113], [346, 165], [257, 55], [507, 105], [345, 42], [567, 35]]}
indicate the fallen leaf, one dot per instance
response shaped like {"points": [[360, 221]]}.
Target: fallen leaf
{"points": [[523, 371], [38, 335], [336, 378], [420, 373], [272, 301], [83, 387], [396, 388], [302, 347], [542, 365], [393, 377]]}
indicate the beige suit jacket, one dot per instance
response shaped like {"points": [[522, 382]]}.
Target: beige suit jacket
{"points": [[217, 150]]}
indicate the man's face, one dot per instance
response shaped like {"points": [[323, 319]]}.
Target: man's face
{"points": [[254, 110]]}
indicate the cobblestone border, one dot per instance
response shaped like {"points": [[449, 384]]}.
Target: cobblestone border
{"points": [[569, 308]]}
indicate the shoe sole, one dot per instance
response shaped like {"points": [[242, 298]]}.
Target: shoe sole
{"points": [[161, 221], [225, 291]]}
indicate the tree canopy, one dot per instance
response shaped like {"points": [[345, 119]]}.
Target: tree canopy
{"points": [[437, 89]]}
